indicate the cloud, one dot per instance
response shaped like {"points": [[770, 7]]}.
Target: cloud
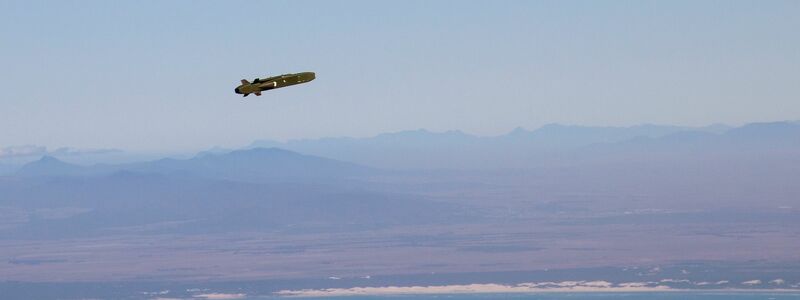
{"points": [[634, 284], [22, 151], [567, 284], [217, 296], [752, 282], [675, 280], [33, 150]]}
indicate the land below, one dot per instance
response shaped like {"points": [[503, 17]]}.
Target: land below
{"points": [[641, 208]]}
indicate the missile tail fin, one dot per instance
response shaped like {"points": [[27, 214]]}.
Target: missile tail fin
{"points": [[244, 81]]}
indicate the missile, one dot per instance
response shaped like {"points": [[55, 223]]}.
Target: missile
{"points": [[259, 85]]}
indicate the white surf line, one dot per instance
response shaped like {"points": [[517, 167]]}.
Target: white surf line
{"points": [[490, 288], [570, 286]]}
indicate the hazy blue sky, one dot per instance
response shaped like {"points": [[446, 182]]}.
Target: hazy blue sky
{"points": [[159, 75]]}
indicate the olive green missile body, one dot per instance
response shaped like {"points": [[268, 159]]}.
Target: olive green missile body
{"points": [[259, 85]]}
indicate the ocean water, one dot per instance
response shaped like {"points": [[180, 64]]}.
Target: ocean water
{"points": [[583, 296]]}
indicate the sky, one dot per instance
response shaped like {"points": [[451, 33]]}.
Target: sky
{"points": [[159, 75]]}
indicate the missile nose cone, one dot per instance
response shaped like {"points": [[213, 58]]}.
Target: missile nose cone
{"points": [[236, 90]]}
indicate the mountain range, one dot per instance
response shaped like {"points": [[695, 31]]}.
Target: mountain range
{"points": [[545, 146], [520, 148], [243, 165], [247, 190]]}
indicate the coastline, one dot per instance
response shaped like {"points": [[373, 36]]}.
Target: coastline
{"points": [[523, 288]]}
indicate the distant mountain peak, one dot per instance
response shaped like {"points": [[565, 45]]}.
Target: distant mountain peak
{"points": [[214, 150], [48, 166], [519, 130], [253, 164], [779, 130], [555, 126], [49, 159], [260, 151]]}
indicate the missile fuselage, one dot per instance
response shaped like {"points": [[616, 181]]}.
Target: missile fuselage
{"points": [[259, 85]]}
